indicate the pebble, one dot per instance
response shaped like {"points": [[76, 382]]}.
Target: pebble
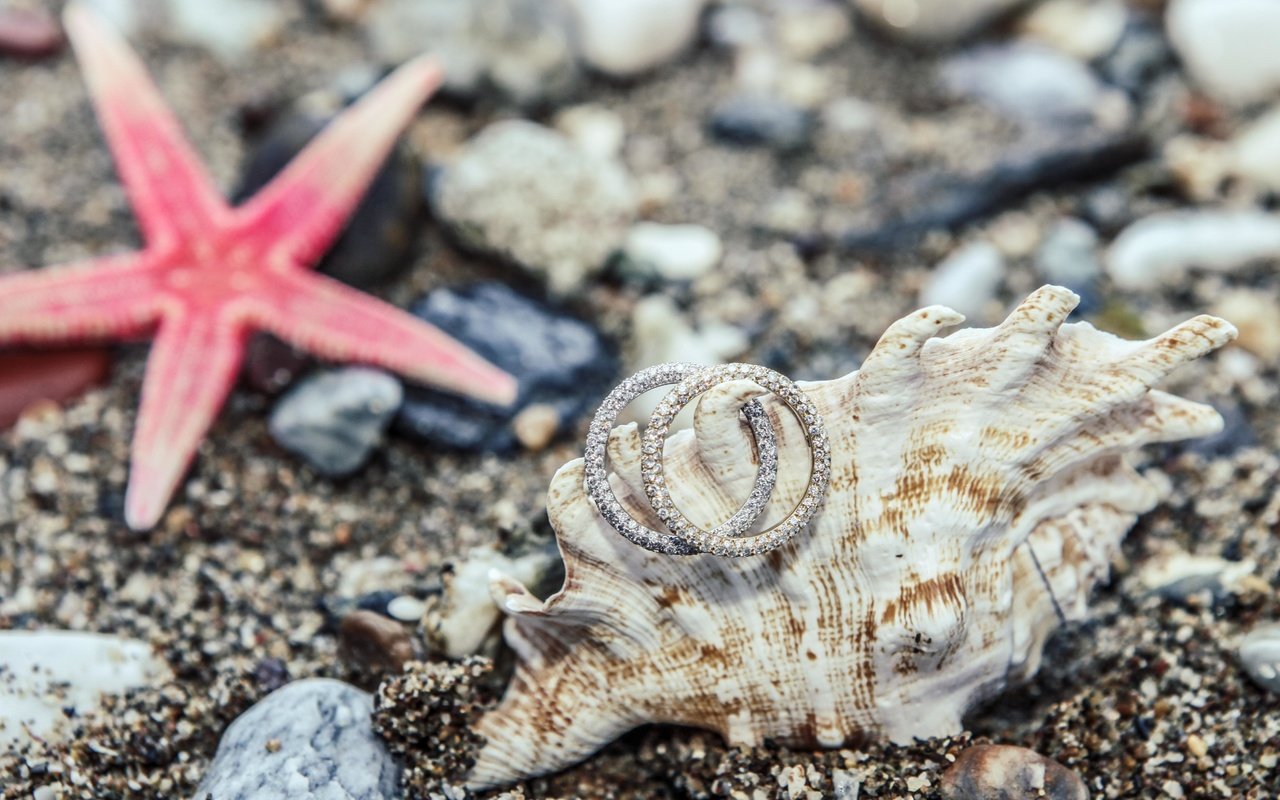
{"points": [[758, 119], [405, 608], [1255, 152], [625, 38], [230, 29], [1260, 654], [1158, 249], [525, 193], [272, 365], [931, 22], [1068, 256], [520, 50], [1083, 29], [369, 641], [375, 242], [29, 33], [460, 620], [311, 740], [1004, 772], [671, 252], [1041, 162], [1228, 46], [967, 280], [805, 30], [559, 361], [536, 426], [1028, 81], [58, 375], [334, 420], [1256, 314], [50, 677], [1138, 59], [596, 130]]}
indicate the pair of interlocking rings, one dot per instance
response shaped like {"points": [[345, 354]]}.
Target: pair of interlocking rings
{"points": [[685, 538]]}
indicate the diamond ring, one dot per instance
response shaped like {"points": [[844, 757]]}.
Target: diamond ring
{"points": [[685, 538]]}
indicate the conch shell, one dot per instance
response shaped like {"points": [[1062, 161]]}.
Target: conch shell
{"points": [[979, 487]]}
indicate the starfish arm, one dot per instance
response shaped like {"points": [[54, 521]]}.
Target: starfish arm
{"points": [[333, 321], [171, 194], [192, 367], [302, 210], [110, 296]]}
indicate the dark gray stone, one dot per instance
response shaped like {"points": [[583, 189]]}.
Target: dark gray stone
{"points": [[334, 420], [762, 120], [557, 360], [311, 740], [374, 245]]}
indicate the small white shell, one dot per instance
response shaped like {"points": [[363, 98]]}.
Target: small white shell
{"points": [[912, 595]]}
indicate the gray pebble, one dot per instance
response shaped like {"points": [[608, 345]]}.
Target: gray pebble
{"points": [[1068, 256], [1260, 655], [335, 419], [311, 740], [1026, 81], [753, 119]]}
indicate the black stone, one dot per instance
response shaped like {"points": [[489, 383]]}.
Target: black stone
{"points": [[951, 201], [762, 120], [375, 244], [558, 360]]}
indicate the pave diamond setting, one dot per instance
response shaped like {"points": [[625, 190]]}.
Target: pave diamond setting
{"points": [[685, 538], [596, 458], [725, 540]]}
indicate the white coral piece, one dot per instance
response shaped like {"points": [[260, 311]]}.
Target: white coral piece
{"points": [[912, 595]]}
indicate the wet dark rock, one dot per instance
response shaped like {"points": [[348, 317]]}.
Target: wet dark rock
{"points": [[762, 120], [1003, 772], [375, 243], [559, 361], [311, 740], [1042, 162], [334, 420], [270, 365], [374, 643], [29, 33], [1140, 56]]}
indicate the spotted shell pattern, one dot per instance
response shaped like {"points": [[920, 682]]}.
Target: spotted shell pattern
{"points": [[912, 595]]}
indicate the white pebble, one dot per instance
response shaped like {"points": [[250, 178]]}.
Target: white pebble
{"points": [[628, 37], [1228, 46], [406, 608], [676, 252], [967, 280], [1162, 246]]}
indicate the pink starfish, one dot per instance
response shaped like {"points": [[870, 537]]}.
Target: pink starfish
{"points": [[209, 274]]}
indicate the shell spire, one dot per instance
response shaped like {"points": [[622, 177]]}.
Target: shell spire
{"points": [[958, 463]]}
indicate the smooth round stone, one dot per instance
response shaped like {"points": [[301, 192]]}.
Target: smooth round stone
{"points": [[527, 194], [1260, 655], [1068, 256], [335, 420], [374, 643], [406, 608], [624, 38], [756, 119], [27, 33], [1162, 247], [1083, 29], [1228, 46], [967, 280], [672, 252], [931, 22], [311, 740], [230, 29], [1028, 81], [48, 676], [1003, 772], [559, 361]]}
